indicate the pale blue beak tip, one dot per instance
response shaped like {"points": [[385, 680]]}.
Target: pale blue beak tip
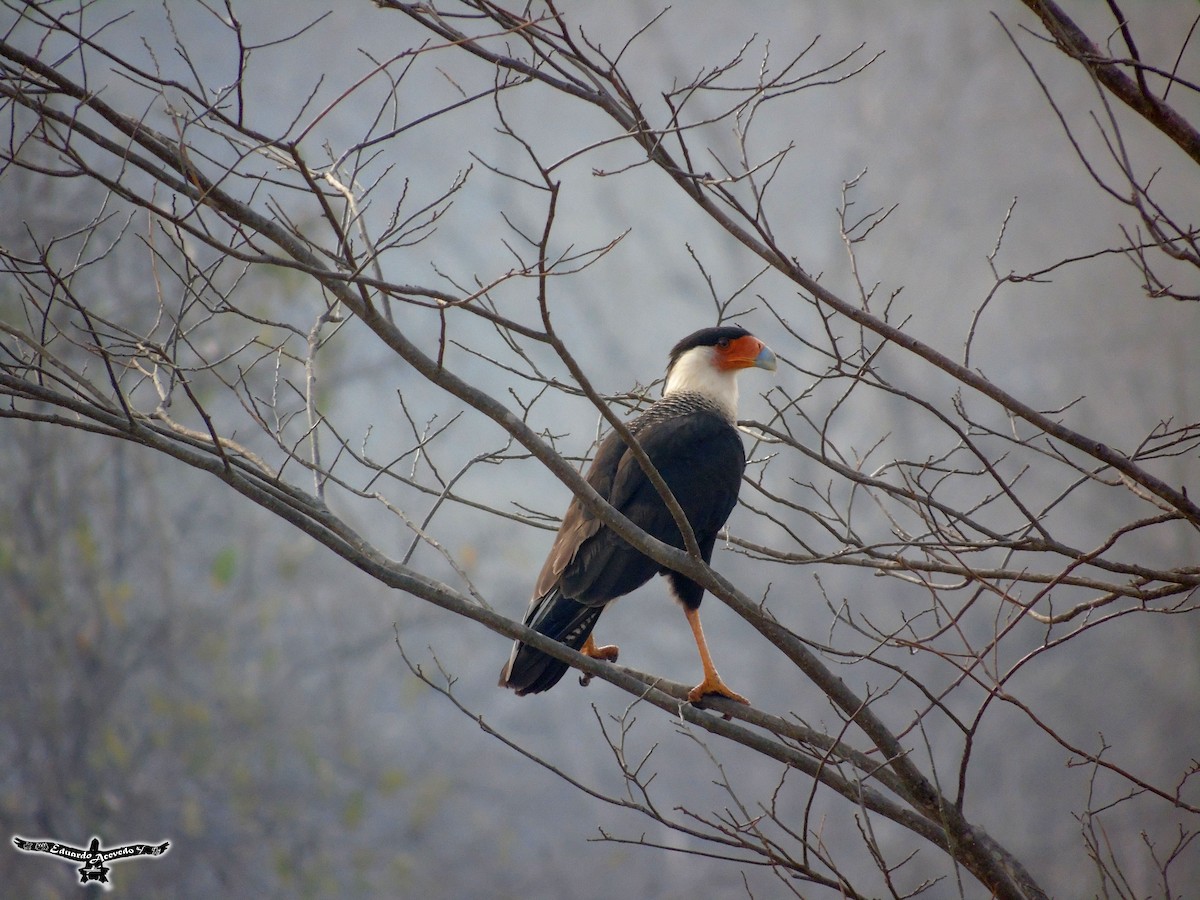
{"points": [[766, 359]]}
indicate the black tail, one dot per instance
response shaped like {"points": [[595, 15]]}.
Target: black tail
{"points": [[530, 671]]}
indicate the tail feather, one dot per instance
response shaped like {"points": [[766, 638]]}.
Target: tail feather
{"points": [[529, 670]]}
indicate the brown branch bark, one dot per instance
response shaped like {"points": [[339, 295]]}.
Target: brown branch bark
{"points": [[1072, 40]]}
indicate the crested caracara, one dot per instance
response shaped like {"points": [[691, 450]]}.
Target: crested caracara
{"points": [[690, 436]]}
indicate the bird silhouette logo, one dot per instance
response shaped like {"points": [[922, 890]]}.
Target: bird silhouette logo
{"points": [[94, 857]]}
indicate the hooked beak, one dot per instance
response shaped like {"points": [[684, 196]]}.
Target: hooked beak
{"points": [[765, 359]]}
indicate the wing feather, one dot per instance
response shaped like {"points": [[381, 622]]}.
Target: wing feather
{"points": [[701, 458]]}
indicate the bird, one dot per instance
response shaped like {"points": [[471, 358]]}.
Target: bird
{"points": [[93, 858], [691, 437]]}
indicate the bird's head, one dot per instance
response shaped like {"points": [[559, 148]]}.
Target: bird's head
{"points": [[707, 362]]}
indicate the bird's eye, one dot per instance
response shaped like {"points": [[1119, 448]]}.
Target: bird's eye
{"points": [[723, 343]]}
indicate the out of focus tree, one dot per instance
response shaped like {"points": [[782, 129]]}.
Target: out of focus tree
{"points": [[967, 534]]}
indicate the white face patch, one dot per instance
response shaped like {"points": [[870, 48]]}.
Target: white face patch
{"points": [[696, 372]]}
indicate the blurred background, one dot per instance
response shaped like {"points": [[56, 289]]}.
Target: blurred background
{"points": [[179, 664]]}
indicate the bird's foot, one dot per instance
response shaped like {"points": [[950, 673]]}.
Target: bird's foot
{"points": [[606, 652], [712, 684]]}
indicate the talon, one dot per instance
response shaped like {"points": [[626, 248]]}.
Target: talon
{"points": [[714, 685], [608, 652]]}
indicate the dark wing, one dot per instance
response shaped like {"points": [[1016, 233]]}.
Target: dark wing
{"points": [[134, 850], [701, 458], [66, 851], [578, 524], [529, 671]]}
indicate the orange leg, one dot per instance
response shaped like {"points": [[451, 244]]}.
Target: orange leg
{"points": [[608, 651], [712, 683]]}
